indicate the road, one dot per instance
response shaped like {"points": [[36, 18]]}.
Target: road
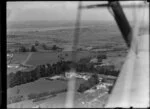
{"points": [[29, 55]]}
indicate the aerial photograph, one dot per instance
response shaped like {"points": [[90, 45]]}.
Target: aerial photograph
{"points": [[73, 54]]}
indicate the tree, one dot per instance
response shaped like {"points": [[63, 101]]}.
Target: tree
{"points": [[36, 43], [54, 47], [45, 47], [110, 89], [84, 60], [66, 54], [33, 49], [32, 96], [18, 91], [89, 83], [8, 51], [22, 49], [102, 56], [94, 79]]}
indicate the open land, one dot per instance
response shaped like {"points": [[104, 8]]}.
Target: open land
{"points": [[104, 38]]}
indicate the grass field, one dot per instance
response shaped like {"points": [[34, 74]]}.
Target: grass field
{"points": [[19, 57], [52, 57], [39, 86]]}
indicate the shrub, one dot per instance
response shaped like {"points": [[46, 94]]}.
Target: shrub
{"points": [[43, 94], [8, 51], [32, 96], [45, 47], [89, 83], [110, 89], [36, 43], [58, 91], [54, 47], [102, 56], [22, 49], [66, 54], [15, 99]]}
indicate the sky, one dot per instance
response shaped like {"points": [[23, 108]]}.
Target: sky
{"points": [[60, 10]]}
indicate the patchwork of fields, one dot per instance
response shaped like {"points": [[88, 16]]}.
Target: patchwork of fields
{"points": [[39, 86], [102, 36]]}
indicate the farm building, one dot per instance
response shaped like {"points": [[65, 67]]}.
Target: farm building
{"points": [[13, 66], [70, 74], [94, 60]]}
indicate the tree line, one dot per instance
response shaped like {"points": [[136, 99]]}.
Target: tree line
{"points": [[24, 49], [22, 77], [34, 49]]}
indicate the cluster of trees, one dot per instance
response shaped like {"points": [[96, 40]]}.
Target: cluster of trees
{"points": [[22, 77], [33, 48], [24, 49], [88, 67], [101, 57], [54, 47], [15, 99], [42, 98], [108, 71], [45, 47], [85, 60], [110, 89], [39, 96], [84, 66], [8, 51], [36, 43], [88, 84]]}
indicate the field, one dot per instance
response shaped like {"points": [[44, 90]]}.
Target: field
{"points": [[39, 86], [101, 35], [43, 58], [19, 57]]}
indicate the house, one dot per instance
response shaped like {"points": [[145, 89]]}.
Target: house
{"points": [[99, 86], [89, 48], [94, 60], [90, 91], [55, 77], [9, 55], [13, 66], [70, 74], [85, 77]]}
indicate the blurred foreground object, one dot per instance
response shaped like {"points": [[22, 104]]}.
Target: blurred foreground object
{"points": [[132, 86]]}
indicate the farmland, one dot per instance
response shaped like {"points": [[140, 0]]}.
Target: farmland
{"points": [[53, 57], [41, 85], [39, 58], [19, 57], [103, 38]]}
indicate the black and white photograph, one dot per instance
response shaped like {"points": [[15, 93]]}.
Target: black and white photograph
{"points": [[77, 54]]}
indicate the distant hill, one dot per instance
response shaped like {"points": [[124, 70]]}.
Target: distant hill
{"points": [[45, 24]]}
